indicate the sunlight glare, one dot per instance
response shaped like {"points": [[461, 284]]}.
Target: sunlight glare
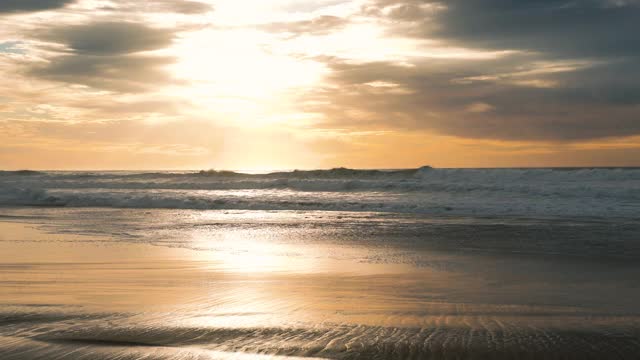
{"points": [[234, 74]]}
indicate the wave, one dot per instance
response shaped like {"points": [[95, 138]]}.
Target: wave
{"points": [[543, 181], [435, 204], [195, 200], [425, 175], [21, 172], [593, 192], [294, 174]]}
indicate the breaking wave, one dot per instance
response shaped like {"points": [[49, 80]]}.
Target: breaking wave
{"points": [[588, 191]]}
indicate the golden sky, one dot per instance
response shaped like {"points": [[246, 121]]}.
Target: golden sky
{"points": [[250, 84]]}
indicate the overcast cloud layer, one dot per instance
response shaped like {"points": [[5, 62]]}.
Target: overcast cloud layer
{"points": [[550, 82]]}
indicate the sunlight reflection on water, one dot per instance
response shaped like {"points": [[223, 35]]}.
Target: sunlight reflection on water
{"points": [[206, 285]]}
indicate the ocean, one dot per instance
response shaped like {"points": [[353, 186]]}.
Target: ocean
{"points": [[332, 264]]}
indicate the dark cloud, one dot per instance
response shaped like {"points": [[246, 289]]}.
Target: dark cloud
{"points": [[10, 6], [116, 73], [593, 102], [567, 28], [317, 26], [109, 38], [573, 75], [560, 28], [107, 55]]}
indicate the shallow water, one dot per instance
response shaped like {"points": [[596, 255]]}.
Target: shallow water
{"points": [[97, 283]]}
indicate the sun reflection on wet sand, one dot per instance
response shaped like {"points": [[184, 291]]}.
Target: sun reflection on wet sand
{"points": [[230, 285]]}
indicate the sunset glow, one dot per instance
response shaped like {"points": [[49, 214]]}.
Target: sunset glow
{"points": [[115, 84]]}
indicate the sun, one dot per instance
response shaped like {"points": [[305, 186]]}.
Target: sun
{"points": [[235, 74]]}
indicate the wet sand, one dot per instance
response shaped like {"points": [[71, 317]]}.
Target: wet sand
{"points": [[76, 284]]}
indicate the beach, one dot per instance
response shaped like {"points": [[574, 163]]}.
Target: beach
{"points": [[131, 283], [319, 179], [248, 266]]}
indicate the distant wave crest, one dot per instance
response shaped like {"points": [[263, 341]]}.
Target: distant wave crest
{"points": [[424, 190]]}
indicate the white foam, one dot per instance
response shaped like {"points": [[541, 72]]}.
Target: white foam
{"points": [[541, 192]]}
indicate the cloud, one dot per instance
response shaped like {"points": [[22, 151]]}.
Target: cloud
{"points": [[560, 28], [570, 73], [115, 73], [107, 55], [182, 6], [14, 6], [564, 28], [109, 38], [593, 102], [164, 6], [320, 25]]}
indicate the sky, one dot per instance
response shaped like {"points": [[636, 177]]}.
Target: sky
{"points": [[283, 84]]}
